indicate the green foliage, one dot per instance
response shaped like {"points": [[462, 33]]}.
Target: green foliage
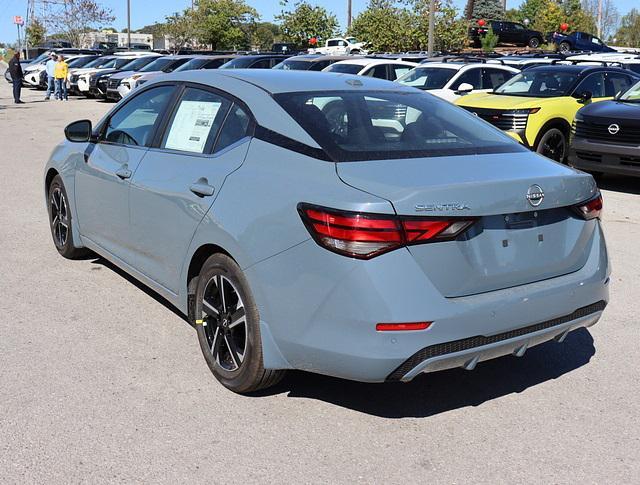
{"points": [[487, 9], [628, 34], [224, 24], [304, 21], [264, 35], [35, 33], [181, 28], [547, 15], [386, 27], [489, 41]]}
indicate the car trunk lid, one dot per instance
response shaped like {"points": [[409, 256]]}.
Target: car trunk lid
{"points": [[512, 241]]}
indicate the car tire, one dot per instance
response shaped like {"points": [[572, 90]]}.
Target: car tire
{"points": [[553, 145], [228, 326], [564, 47], [534, 42], [60, 220]]}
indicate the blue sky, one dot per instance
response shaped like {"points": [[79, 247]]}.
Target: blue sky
{"points": [[144, 12]]}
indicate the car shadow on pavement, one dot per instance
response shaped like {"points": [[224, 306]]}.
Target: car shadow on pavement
{"points": [[428, 394], [98, 260], [620, 183], [439, 392]]}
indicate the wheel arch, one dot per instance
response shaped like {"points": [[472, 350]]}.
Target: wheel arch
{"points": [[48, 178], [560, 123]]}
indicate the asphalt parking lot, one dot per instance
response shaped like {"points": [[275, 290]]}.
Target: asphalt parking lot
{"points": [[100, 381]]}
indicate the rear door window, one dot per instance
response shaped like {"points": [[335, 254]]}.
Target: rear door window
{"points": [[398, 70], [196, 121], [379, 71], [235, 128], [594, 83]]}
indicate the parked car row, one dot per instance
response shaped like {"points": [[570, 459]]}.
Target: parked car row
{"points": [[534, 96]]}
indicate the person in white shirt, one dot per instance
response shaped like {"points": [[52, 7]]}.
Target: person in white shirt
{"points": [[50, 68]]}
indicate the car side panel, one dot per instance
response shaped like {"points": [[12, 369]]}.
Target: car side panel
{"points": [[255, 214]]}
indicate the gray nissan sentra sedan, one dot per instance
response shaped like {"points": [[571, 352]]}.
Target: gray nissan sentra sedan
{"points": [[338, 224]]}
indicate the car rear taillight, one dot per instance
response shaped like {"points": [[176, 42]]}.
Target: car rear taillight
{"points": [[590, 209], [364, 236]]}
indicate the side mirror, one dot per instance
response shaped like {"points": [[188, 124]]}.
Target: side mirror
{"points": [[464, 88], [78, 131], [585, 96]]}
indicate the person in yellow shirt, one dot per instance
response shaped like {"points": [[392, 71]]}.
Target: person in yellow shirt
{"points": [[60, 74]]}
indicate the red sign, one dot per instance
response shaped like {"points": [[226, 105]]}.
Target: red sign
{"points": [[17, 19]]}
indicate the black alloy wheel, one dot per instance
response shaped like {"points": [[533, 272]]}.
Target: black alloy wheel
{"points": [[553, 145], [60, 220], [228, 326]]}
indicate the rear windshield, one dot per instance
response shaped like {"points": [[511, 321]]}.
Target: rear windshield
{"points": [[345, 68], [427, 77], [375, 125], [544, 83]]}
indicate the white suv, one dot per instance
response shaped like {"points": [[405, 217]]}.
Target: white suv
{"points": [[451, 79], [389, 69]]}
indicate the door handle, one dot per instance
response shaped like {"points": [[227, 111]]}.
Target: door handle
{"points": [[202, 188], [124, 173]]}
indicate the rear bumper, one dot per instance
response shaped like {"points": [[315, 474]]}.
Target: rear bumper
{"points": [[466, 353], [606, 158], [321, 310]]}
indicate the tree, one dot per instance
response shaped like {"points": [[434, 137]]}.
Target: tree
{"points": [[76, 17], [386, 27], [264, 35], [224, 24], [180, 29], [450, 30], [628, 34], [306, 21], [35, 33], [610, 16], [487, 10]]}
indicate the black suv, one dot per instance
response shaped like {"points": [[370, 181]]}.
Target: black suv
{"points": [[605, 137], [508, 33]]}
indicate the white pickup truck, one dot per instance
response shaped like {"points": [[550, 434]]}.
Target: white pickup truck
{"points": [[340, 46]]}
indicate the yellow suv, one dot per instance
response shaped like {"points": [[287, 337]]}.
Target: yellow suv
{"points": [[537, 106]]}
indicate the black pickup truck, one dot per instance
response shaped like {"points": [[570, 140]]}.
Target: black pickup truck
{"points": [[508, 33]]}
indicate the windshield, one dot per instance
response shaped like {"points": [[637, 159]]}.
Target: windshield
{"points": [[289, 65], [158, 65], [80, 61], [192, 65], [427, 77], [539, 83], [139, 63], [238, 63], [376, 125], [632, 95], [344, 68]]}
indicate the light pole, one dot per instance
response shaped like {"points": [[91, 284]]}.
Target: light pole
{"points": [[348, 14], [432, 23], [128, 24]]}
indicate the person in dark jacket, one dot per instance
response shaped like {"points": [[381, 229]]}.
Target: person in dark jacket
{"points": [[15, 69]]}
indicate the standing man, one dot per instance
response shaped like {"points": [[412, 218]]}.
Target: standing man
{"points": [[60, 73], [15, 69], [51, 72]]}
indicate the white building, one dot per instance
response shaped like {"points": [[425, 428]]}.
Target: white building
{"points": [[89, 39]]}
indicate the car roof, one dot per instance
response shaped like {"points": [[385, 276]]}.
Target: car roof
{"points": [[213, 56], [275, 81], [319, 57], [576, 68], [367, 61]]}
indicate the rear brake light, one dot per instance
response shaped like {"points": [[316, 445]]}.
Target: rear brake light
{"points": [[399, 327], [591, 208], [364, 236]]}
